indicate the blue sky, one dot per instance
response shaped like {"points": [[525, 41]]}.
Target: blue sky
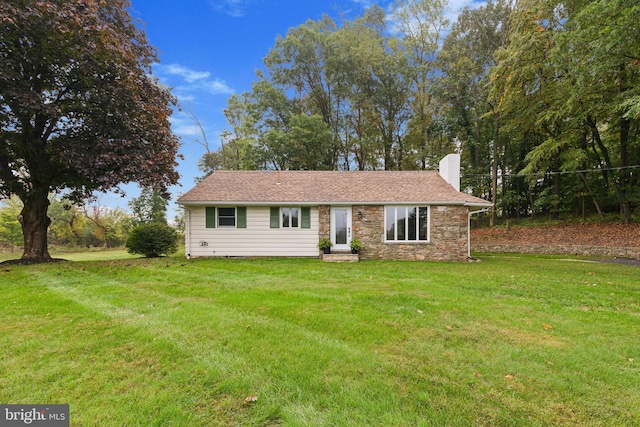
{"points": [[210, 49]]}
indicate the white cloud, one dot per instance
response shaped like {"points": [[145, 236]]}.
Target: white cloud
{"points": [[184, 126], [188, 75], [184, 97], [233, 8], [366, 3], [216, 87], [189, 83]]}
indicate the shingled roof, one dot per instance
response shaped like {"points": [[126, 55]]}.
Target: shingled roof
{"points": [[326, 187]]}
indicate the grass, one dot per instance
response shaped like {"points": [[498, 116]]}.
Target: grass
{"points": [[512, 340], [98, 254]]}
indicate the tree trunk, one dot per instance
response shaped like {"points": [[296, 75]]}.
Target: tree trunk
{"points": [[625, 207], [494, 172], [35, 224], [593, 196]]}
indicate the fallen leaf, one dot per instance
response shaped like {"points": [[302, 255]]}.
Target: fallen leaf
{"points": [[477, 374], [547, 326], [550, 363], [509, 376], [250, 399], [449, 328]]}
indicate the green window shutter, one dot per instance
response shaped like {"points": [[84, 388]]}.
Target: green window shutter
{"points": [[305, 221], [210, 217], [242, 216], [274, 213]]}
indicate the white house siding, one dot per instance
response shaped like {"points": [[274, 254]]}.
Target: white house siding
{"points": [[258, 239]]}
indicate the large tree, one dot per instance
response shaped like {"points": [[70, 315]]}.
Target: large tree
{"points": [[466, 57], [79, 109], [421, 24]]}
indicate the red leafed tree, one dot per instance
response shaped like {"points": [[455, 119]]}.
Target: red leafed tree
{"points": [[79, 109]]}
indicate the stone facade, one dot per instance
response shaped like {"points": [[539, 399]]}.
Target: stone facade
{"points": [[324, 217], [448, 234]]}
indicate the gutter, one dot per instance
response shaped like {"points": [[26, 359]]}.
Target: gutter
{"points": [[333, 203], [187, 229], [469, 229]]}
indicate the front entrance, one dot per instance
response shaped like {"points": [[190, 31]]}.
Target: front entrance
{"points": [[341, 228]]}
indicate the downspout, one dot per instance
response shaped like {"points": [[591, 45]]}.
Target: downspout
{"points": [[187, 229], [469, 229]]}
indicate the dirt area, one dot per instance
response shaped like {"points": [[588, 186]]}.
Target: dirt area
{"points": [[609, 234]]}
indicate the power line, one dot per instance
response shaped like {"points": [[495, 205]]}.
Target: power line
{"points": [[522, 175]]}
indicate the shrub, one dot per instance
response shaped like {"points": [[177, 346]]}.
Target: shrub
{"points": [[152, 240]]}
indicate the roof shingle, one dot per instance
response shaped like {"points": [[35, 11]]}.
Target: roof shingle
{"points": [[326, 187]]}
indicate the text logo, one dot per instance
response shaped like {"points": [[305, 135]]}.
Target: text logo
{"points": [[34, 415]]}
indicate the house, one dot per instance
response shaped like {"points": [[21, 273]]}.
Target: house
{"points": [[402, 215]]}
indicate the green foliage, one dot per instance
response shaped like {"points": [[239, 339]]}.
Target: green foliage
{"points": [[336, 96], [540, 97], [356, 244], [110, 226], [150, 206], [310, 143], [10, 228], [152, 240], [325, 243], [568, 82], [71, 226], [79, 108]]}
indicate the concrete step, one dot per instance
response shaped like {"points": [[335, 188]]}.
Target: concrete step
{"points": [[340, 257]]}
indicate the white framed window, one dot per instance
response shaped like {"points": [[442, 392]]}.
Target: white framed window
{"points": [[290, 217], [226, 217], [233, 217], [406, 223]]}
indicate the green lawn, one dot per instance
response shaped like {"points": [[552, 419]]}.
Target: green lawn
{"points": [[97, 254], [511, 340]]}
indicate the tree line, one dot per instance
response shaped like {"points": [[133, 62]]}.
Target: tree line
{"points": [[540, 97], [87, 225]]}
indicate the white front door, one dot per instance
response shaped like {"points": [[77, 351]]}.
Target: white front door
{"points": [[341, 228]]}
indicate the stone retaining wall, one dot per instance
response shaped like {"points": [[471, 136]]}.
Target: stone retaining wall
{"points": [[581, 250]]}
